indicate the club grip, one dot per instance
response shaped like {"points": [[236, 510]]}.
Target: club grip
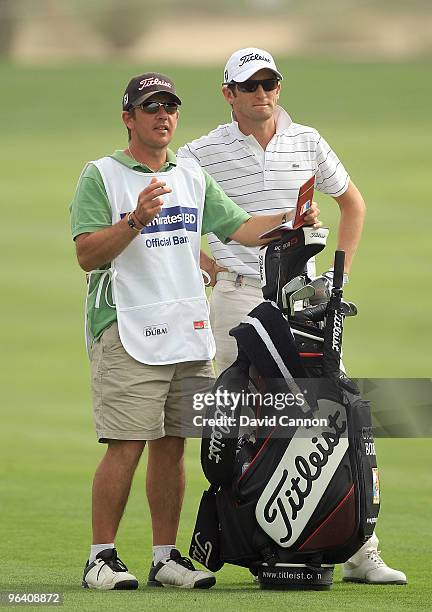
{"points": [[338, 269]]}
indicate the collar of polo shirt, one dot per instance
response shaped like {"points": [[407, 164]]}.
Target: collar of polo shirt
{"points": [[283, 121]]}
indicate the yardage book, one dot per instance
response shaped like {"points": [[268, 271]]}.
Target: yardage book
{"points": [[304, 202]]}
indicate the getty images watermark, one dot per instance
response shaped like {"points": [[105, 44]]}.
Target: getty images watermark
{"points": [[228, 404], [401, 408]]}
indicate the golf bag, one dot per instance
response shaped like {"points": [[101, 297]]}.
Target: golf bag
{"points": [[297, 490]]}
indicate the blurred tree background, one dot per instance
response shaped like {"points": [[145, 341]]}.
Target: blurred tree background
{"points": [[38, 30]]}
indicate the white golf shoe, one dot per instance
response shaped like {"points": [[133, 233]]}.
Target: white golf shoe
{"points": [[368, 567], [178, 571], [107, 573]]}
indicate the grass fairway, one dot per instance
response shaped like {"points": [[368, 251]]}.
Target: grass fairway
{"points": [[377, 117]]}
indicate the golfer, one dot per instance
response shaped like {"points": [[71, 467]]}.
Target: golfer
{"points": [[137, 219], [260, 159]]}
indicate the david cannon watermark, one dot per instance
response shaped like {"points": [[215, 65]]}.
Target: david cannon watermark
{"points": [[224, 402]]}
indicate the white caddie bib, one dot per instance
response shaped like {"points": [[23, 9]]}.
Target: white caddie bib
{"points": [[162, 310]]}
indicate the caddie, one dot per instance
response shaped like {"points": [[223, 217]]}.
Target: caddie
{"points": [[137, 218]]}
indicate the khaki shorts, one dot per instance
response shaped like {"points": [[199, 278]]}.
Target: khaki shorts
{"points": [[135, 401]]}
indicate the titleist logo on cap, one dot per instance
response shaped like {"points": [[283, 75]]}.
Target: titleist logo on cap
{"points": [[244, 63], [253, 57], [154, 81], [140, 88]]}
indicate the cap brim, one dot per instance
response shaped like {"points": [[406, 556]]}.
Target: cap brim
{"points": [[149, 94], [246, 74]]}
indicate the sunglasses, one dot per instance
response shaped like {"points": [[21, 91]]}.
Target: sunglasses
{"points": [[250, 86], [152, 108]]}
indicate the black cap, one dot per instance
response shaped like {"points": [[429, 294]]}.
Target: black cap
{"points": [[142, 87]]}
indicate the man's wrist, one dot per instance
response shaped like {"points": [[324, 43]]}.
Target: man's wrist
{"points": [[134, 223], [287, 216], [212, 266]]}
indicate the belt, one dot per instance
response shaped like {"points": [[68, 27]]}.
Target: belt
{"points": [[239, 280]]}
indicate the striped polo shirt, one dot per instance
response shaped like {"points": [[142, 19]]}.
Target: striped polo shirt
{"points": [[264, 181]]}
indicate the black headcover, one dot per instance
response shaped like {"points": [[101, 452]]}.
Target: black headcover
{"points": [[269, 262], [286, 257], [297, 247]]}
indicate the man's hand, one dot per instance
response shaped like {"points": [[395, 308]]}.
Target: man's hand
{"points": [[98, 248], [150, 201], [210, 266], [249, 233], [311, 217]]}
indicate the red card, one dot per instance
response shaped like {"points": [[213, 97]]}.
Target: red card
{"points": [[304, 201]]}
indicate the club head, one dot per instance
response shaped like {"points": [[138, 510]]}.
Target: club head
{"points": [[349, 309], [322, 287], [304, 293], [294, 284]]}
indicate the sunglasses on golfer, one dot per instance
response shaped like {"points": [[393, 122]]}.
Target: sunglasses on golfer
{"points": [[152, 108], [251, 85]]}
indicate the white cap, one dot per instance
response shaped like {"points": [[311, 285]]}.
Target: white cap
{"points": [[245, 62]]}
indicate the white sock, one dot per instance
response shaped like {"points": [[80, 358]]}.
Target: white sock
{"points": [[95, 549], [162, 552]]}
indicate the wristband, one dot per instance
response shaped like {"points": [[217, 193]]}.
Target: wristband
{"points": [[137, 218], [132, 222]]}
